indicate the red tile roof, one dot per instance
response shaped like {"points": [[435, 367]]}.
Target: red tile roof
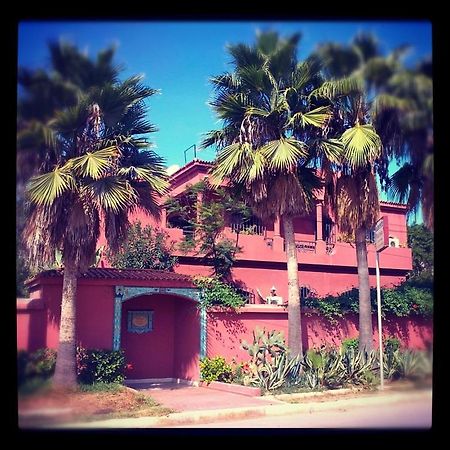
{"points": [[116, 274], [385, 203], [186, 167]]}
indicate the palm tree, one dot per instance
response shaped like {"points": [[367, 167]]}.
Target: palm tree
{"points": [[413, 182], [41, 94], [271, 131], [101, 170], [365, 122]]}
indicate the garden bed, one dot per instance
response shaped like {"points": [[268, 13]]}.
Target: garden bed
{"points": [[51, 406]]}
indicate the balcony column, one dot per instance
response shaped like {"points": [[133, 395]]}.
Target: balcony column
{"points": [[276, 227], [163, 217], [278, 241], [320, 243], [319, 220]]}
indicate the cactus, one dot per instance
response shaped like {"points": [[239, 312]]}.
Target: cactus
{"points": [[265, 346], [270, 364]]}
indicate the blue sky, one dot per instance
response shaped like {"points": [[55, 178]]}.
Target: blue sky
{"points": [[179, 57]]}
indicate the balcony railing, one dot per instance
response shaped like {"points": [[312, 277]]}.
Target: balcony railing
{"points": [[303, 246], [248, 295], [248, 228]]}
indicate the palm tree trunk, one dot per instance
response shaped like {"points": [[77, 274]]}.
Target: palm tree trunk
{"points": [[65, 371], [294, 311], [365, 312]]}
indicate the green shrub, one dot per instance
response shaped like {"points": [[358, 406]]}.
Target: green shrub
{"points": [[100, 366], [215, 369], [391, 344], [35, 365], [350, 343], [217, 293], [413, 297]]}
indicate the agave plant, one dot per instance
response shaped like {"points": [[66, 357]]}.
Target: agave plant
{"points": [[357, 363]]}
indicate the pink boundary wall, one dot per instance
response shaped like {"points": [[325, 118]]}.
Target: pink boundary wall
{"points": [[226, 330], [36, 328]]}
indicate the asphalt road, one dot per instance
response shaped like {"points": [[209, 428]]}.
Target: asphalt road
{"points": [[409, 414]]}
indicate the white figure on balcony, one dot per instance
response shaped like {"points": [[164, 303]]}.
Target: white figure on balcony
{"points": [[273, 298]]}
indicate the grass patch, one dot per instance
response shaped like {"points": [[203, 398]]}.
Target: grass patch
{"points": [[100, 387], [34, 386], [99, 401]]}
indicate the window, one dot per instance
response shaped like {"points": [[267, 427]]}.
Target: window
{"points": [[140, 321], [370, 235], [305, 292]]}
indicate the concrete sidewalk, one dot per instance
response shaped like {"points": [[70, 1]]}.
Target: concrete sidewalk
{"points": [[276, 408]]}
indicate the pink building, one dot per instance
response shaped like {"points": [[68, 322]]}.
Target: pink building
{"points": [[154, 318]]}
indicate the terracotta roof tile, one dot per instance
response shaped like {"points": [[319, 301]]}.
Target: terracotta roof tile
{"points": [[115, 274], [383, 202]]}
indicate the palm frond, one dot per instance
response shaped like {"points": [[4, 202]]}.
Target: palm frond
{"points": [[338, 88], [253, 111], [244, 55], [362, 145], [149, 200], [225, 81], [305, 72], [385, 102], [317, 117], [254, 78], [220, 138], [357, 201], [44, 189], [400, 182], [93, 164], [154, 176], [367, 45], [67, 122], [229, 162], [112, 194], [331, 149], [284, 154], [231, 107]]}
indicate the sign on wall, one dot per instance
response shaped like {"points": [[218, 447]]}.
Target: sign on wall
{"points": [[382, 234], [140, 321]]}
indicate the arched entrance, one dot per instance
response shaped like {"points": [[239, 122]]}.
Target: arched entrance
{"points": [[160, 330]]}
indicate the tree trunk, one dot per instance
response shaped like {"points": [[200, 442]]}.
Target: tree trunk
{"points": [[65, 371], [294, 312], [365, 312]]}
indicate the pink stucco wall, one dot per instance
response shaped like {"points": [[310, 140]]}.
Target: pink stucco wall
{"points": [[31, 324], [226, 330], [186, 340], [94, 313]]}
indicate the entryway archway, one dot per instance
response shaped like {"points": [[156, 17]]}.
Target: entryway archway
{"points": [[161, 331]]}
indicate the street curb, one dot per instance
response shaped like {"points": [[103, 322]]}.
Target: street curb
{"points": [[207, 416]]}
